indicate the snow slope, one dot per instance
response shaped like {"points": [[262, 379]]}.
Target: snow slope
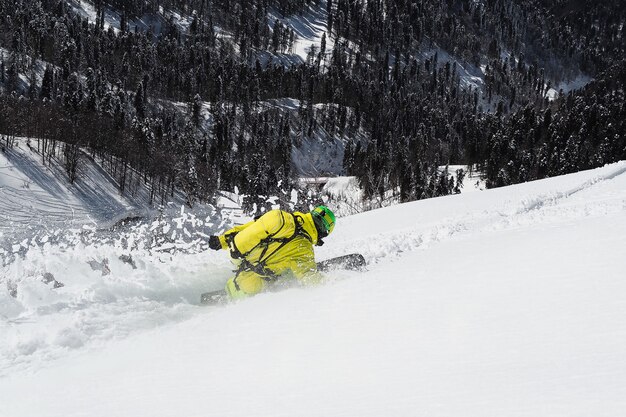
{"points": [[37, 196], [309, 28], [507, 302]]}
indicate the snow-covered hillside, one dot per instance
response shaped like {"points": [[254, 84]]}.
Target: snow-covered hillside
{"points": [[507, 302], [34, 195]]}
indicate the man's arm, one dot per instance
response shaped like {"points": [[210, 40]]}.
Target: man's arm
{"points": [[226, 236], [273, 223]]}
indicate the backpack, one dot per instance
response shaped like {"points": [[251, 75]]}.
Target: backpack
{"points": [[260, 267]]}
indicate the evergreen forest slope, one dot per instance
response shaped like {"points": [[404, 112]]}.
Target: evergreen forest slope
{"points": [[204, 95]]}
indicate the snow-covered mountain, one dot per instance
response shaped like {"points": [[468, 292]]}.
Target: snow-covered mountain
{"points": [[506, 302], [197, 95]]}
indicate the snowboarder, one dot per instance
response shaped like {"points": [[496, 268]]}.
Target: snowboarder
{"points": [[276, 246]]}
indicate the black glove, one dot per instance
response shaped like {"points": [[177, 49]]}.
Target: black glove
{"points": [[214, 243]]}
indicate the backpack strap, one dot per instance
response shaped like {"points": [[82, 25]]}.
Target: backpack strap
{"points": [[298, 221]]}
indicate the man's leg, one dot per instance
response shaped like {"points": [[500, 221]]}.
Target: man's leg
{"points": [[245, 284]]}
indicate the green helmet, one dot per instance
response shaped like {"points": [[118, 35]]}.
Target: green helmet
{"points": [[324, 217]]}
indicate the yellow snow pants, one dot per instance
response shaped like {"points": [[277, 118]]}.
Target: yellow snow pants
{"points": [[245, 284]]}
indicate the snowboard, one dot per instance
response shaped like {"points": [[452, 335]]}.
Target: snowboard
{"points": [[351, 262]]}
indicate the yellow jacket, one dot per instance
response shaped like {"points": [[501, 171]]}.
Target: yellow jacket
{"points": [[294, 258]]}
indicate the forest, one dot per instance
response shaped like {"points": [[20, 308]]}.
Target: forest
{"points": [[190, 107]]}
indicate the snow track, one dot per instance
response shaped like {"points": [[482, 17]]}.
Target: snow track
{"points": [[550, 200], [531, 203]]}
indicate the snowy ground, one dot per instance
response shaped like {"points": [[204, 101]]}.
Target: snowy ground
{"points": [[309, 27], [507, 302], [112, 18]]}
